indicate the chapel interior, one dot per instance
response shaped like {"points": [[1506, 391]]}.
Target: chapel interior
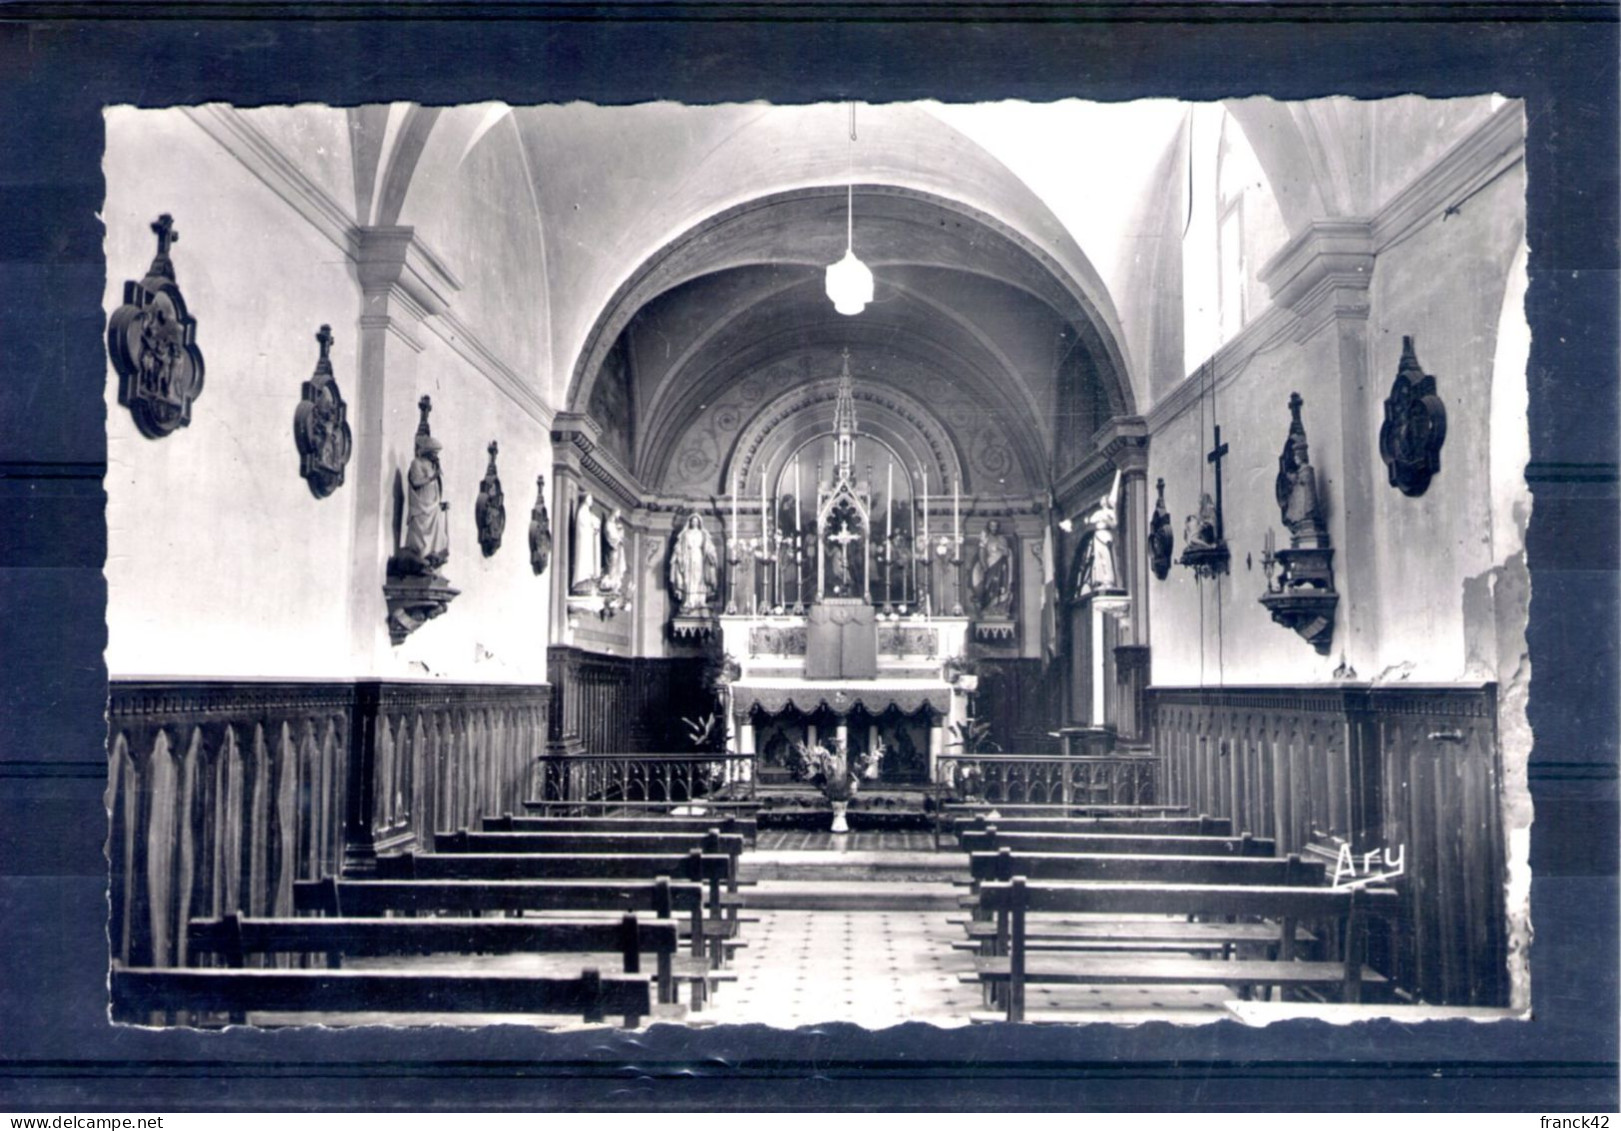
{"points": [[873, 495]]}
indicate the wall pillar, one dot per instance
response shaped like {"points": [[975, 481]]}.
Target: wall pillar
{"points": [[1323, 277], [401, 285]]}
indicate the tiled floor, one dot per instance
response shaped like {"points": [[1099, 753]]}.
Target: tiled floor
{"points": [[877, 969], [872, 968]]}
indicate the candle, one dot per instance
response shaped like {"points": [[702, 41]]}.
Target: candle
{"points": [[799, 502], [765, 513], [1270, 543], [889, 501], [956, 521], [734, 506], [923, 473]]}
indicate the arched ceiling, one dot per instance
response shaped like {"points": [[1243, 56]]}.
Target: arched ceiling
{"points": [[959, 298]]}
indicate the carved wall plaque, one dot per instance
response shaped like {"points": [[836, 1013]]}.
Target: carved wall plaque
{"points": [[1160, 539], [490, 512], [152, 342], [540, 530], [321, 426], [1415, 426]]}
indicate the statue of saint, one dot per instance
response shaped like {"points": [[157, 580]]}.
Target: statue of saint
{"points": [[1199, 532], [694, 568], [1296, 485], [427, 536], [1098, 572], [991, 577], [587, 547], [613, 565]]}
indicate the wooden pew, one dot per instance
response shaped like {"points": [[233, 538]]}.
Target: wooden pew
{"points": [[1347, 907], [1115, 826], [585, 844], [374, 898], [1129, 844], [947, 814], [1004, 865], [234, 937], [138, 993], [717, 872], [746, 827]]}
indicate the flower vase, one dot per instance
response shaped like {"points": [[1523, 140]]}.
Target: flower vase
{"points": [[840, 825]]}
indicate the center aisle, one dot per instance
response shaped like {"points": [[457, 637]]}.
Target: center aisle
{"points": [[870, 968]]}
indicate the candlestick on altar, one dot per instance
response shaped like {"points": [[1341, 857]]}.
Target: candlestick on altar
{"points": [[956, 521]]}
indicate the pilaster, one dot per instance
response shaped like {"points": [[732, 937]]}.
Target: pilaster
{"points": [[1323, 278], [402, 285]]}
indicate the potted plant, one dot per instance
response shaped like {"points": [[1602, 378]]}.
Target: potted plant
{"points": [[832, 768], [963, 673]]}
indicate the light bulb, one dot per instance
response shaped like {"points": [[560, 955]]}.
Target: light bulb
{"points": [[849, 284]]}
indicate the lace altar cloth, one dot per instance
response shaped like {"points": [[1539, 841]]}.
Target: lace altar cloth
{"points": [[773, 696]]}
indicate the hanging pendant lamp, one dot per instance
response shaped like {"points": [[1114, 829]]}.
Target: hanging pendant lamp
{"points": [[849, 281]]}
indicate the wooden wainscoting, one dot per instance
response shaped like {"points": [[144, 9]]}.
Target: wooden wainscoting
{"points": [[223, 793], [1392, 766]]}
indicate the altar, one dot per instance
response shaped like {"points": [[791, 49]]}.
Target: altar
{"points": [[907, 705]]}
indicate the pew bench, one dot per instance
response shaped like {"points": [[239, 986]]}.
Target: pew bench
{"points": [[948, 814], [1126, 844], [746, 827], [662, 896], [140, 993], [234, 937], [1151, 826], [1168, 935], [716, 872], [1346, 909]]}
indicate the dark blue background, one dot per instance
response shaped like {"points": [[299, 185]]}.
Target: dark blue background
{"points": [[60, 64]]}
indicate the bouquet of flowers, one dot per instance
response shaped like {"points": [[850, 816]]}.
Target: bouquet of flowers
{"points": [[832, 768]]}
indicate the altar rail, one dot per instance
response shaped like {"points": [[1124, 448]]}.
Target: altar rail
{"points": [[224, 793], [1414, 766], [1042, 779], [589, 784]]}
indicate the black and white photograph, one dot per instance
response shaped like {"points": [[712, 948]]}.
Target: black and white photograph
{"points": [[722, 558], [990, 580]]}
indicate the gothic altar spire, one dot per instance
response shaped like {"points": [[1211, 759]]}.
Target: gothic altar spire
{"points": [[844, 424]]}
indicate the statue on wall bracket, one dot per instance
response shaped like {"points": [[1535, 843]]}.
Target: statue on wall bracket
{"points": [[991, 583], [1301, 596], [1161, 542], [415, 590], [1415, 426], [694, 573], [152, 341], [321, 426], [490, 512], [540, 530], [1204, 536]]}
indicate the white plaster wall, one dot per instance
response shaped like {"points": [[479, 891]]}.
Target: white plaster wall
{"points": [[496, 630], [220, 561], [1216, 631], [477, 211], [1444, 286]]}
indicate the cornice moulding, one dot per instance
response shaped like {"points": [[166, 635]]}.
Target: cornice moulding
{"points": [[421, 279], [1496, 145]]}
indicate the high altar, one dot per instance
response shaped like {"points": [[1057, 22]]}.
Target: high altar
{"points": [[839, 637]]}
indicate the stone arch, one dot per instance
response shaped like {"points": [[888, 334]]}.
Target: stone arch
{"points": [[1086, 302]]}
